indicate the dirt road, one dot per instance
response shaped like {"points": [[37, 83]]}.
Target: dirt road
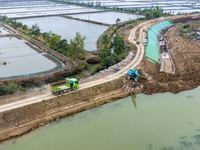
{"points": [[133, 64]]}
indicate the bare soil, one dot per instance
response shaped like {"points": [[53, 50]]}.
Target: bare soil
{"points": [[186, 56]]}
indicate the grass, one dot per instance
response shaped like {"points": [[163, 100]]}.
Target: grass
{"points": [[27, 37]]}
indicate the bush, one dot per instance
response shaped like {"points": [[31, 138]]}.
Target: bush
{"points": [[11, 88], [105, 52], [148, 15], [186, 26], [83, 65], [119, 45], [108, 61], [122, 56], [95, 69]]}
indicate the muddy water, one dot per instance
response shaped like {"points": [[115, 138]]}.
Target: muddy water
{"points": [[134, 123], [67, 28]]}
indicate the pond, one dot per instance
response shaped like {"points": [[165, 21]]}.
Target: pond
{"points": [[4, 31], [107, 17], [23, 9], [138, 122], [67, 28], [17, 58]]}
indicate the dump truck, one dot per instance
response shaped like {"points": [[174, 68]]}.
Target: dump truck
{"points": [[58, 88], [132, 73]]}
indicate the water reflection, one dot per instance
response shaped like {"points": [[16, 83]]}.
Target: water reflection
{"points": [[164, 121], [133, 97]]}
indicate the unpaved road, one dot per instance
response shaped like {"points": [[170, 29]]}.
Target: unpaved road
{"points": [[133, 64]]}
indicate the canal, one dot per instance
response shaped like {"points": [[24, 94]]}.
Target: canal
{"points": [[138, 122]]}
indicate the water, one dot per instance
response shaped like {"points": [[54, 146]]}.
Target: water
{"points": [[190, 6], [39, 8], [134, 123], [47, 12], [43, 8], [106, 17], [4, 31], [21, 59], [67, 28]]}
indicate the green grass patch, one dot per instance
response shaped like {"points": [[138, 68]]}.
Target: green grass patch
{"points": [[27, 37]]}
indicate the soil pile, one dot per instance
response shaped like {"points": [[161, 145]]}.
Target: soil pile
{"points": [[185, 54]]}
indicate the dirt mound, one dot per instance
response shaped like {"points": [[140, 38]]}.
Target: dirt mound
{"points": [[185, 19], [93, 59], [185, 54]]}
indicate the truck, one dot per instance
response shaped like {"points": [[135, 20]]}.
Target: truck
{"points": [[59, 88]]}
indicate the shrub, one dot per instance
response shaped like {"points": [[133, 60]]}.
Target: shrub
{"points": [[11, 88]]}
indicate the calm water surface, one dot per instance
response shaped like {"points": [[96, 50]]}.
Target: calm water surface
{"points": [[107, 17], [21, 59], [138, 122], [67, 28]]}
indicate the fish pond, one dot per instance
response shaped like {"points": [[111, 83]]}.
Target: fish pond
{"points": [[107, 17], [18, 59], [67, 28], [139, 122]]}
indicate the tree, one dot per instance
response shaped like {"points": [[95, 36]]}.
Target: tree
{"points": [[118, 20], [108, 61], [148, 15], [24, 27], [157, 13], [119, 45], [35, 29], [19, 24], [103, 53], [4, 18], [63, 44], [54, 41], [45, 35], [105, 39], [76, 47]]}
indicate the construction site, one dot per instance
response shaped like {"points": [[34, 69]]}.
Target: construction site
{"points": [[166, 62], [177, 60]]}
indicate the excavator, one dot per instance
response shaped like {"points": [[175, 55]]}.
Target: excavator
{"points": [[134, 74]]}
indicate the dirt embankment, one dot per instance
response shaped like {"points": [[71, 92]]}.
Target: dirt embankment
{"points": [[186, 56], [15, 123]]}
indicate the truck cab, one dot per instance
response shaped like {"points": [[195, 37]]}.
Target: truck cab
{"points": [[73, 83]]}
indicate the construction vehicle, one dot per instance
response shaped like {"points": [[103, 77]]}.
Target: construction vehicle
{"points": [[116, 69], [68, 85], [132, 73]]}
